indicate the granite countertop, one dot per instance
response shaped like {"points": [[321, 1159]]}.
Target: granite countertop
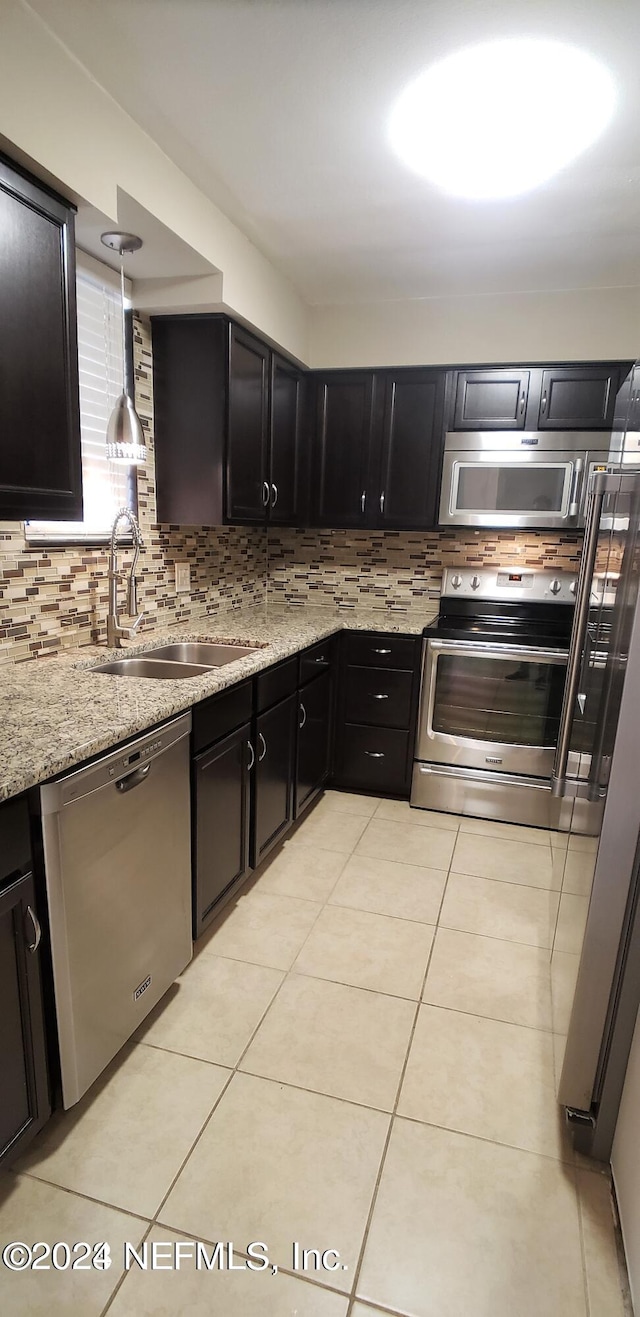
{"points": [[57, 712]]}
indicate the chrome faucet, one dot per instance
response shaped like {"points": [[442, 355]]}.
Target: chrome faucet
{"points": [[116, 633]]}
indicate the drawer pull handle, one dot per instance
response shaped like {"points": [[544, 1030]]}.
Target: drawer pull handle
{"points": [[253, 757], [37, 931], [382, 651], [320, 660], [375, 754], [379, 697], [264, 747]]}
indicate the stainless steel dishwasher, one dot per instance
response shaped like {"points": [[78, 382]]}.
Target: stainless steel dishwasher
{"points": [[117, 846]]}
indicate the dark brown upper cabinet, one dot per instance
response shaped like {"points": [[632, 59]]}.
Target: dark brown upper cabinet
{"points": [[411, 449], [578, 397], [581, 397], [378, 448], [228, 425], [343, 470], [40, 460], [491, 399], [248, 487], [286, 459]]}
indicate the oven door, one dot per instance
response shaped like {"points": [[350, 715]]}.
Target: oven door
{"points": [[512, 488], [491, 706]]}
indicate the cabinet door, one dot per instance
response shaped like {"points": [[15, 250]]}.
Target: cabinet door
{"points": [[345, 418], [578, 398], [221, 801], [40, 464], [411, 448], [286, 405], [491, 399], [24, 1097], [248, 489], [273, 776], [314, 740]]}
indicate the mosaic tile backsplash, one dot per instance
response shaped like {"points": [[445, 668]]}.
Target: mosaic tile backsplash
{"points": [[56, 598], [397, 569]]}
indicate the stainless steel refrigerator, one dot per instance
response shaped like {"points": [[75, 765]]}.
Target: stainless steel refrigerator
{"points": [[595, 961]]}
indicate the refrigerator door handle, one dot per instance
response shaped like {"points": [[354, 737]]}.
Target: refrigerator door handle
{"points": [[600, 485]]}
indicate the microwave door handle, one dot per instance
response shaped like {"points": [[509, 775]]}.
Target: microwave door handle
{"points": [[573, 508], [578, 631]]}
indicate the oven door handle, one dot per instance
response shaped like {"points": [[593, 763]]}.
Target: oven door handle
{"points": [[484, 649]]}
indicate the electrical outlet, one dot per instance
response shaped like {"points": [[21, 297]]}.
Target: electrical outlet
{"points": [[183, 576]]}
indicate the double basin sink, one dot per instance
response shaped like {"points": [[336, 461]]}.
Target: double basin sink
{"points": [[175, 662]]}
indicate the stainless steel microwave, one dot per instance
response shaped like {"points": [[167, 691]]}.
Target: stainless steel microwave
{"points": [[529, 479]]}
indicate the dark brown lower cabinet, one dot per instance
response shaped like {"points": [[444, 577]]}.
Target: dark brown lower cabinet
{"points": [[221, 801], [273, 778], [314, 740], [376, 712], [24, 1091]]}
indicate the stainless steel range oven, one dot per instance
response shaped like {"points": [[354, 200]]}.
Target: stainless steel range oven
{"points": [[493, 679]]}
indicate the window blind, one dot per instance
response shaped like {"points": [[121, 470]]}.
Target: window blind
{"points": [[106, 485]]}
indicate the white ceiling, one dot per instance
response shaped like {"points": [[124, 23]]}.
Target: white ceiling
{"points": [[277, 110]]}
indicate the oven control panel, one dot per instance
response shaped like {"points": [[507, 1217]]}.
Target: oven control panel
{"points": [[518, 583]]}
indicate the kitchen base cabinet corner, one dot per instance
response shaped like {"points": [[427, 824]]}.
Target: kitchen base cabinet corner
{"points": [[273, 783], [24, 1092], [221, 799]]}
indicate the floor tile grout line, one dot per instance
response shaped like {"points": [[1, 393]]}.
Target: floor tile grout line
{"points": [[583, 1248], [79, 1193], [123, 1277], [403, 1071]]}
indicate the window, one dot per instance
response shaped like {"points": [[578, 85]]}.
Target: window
{"points": [[106, 485]]}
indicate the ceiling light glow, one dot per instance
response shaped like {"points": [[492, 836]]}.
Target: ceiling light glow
{"points": [[499, 119]]}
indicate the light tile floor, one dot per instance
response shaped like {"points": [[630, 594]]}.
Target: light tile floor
{"points": [[359, 1058]]}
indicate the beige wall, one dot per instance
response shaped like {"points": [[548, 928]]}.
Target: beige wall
{"points": [[55, 114], [587, 324]]}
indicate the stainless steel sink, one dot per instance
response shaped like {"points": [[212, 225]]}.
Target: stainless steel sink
{"points": [[158, 668], [212, 655], [175, 662]]}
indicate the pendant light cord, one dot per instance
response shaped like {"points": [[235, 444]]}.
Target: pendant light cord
{"points": [[124, 341]]}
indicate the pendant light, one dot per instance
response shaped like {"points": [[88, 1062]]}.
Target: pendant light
{"points": [[125, 436]]}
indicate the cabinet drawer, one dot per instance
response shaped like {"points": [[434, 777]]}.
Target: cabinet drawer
{"points": [[373, 759], [220, 715], [276, 683], [316, 660], [381, 698], [381, 651]]}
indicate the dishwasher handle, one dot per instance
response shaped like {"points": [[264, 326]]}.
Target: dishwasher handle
{"points": [[133, 779]]}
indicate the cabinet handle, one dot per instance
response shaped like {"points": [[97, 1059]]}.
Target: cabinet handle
{"points": [[37, 931], [253, 756], [265, 494], [363, 500], [543, 405], [320, 660], [379, 697], [522, 403], [274, 495], [264, 747], [382, 501], [303, 711], [375, 754], [382, 651]]}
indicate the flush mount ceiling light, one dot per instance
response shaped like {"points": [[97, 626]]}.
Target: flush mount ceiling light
{"points": [[125, 436], [498, 119]]}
